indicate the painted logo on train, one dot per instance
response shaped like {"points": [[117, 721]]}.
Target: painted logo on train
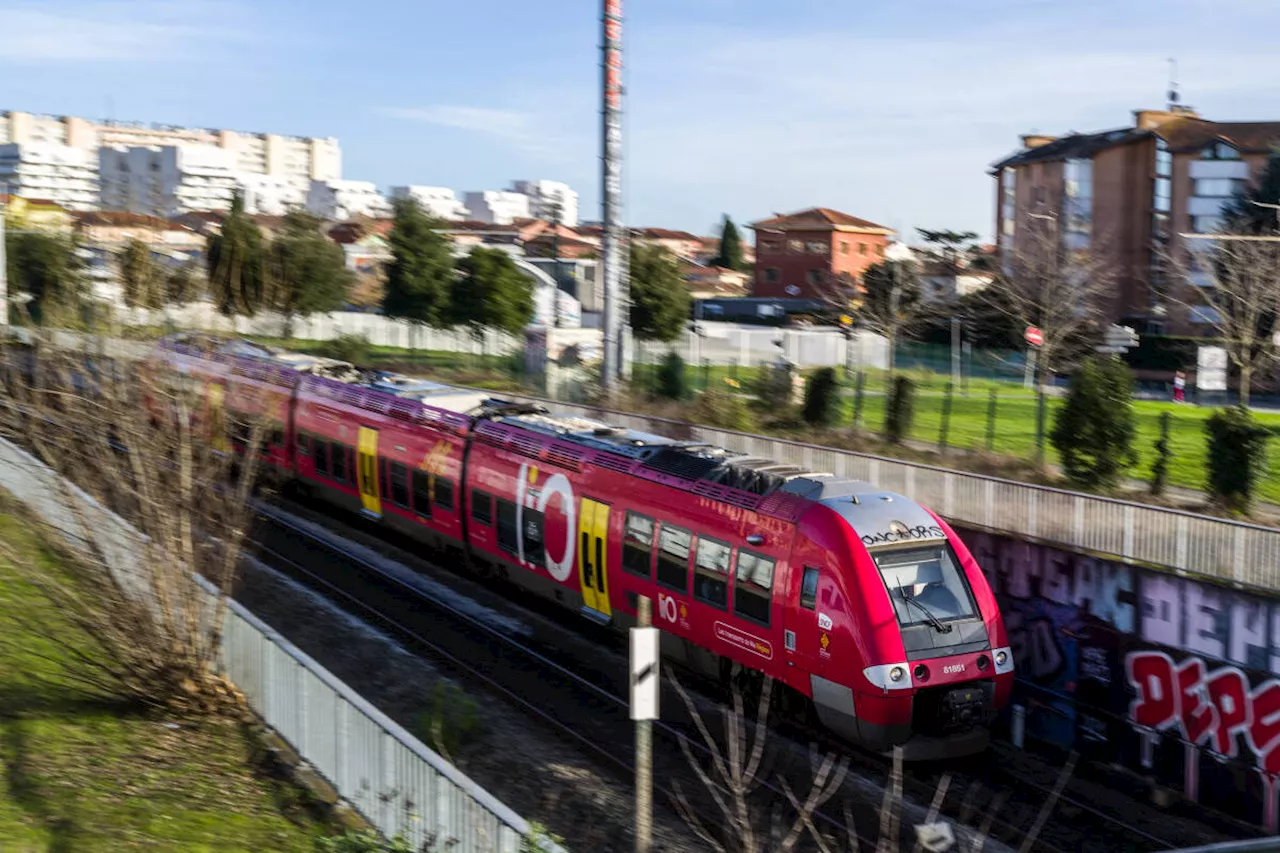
{"points": [[546, 517]]}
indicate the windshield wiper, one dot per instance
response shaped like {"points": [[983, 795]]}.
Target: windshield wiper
{"points": [[937, 624]]}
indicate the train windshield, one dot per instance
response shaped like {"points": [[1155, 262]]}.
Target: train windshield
{"points": [[925, 585]]}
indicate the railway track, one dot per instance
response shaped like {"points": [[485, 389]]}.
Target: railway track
{"points": [[572, 677]]}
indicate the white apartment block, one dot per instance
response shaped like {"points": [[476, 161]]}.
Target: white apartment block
{"points": [[296, 160], [547, 199], [272, 195], [167, 181], [440, 202], [498, 207], [342, 200], [50, 170]]}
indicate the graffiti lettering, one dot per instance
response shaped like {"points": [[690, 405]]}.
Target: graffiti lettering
{"points": [[903, 534], [1215, 708]]}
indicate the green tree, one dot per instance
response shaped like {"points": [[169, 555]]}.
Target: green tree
{"points": [[1094, 429], [1243, 216], [45, 266], [182, 285], [949, 246], [142, 279], [308, 271], [659, 299], [236, 263], [491, 293], [730, 255], [892, 302], [673, 381], [421, 270], [899, 409], [1237, 457], [822, 398]]}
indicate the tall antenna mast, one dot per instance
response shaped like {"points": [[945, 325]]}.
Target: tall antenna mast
{"points": [[1173, 84]]}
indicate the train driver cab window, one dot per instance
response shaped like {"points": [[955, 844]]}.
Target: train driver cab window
{"points": [[481, 507], [422, 493], [507, 526], [399, 484], [673, 557], [444, 493], [711, 572], [809, 588], [322, 457], [637, 546], [753, 591], [926, 585]]}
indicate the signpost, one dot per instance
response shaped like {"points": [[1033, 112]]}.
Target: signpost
{"points": [[1119, 339], [611, 200], [1034, 338], [644, 709], [1211, 369]]}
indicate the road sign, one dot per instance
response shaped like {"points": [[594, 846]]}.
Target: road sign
{"points": [[644, 673], [1034, 336], [1118, 339], [1211, 369]]}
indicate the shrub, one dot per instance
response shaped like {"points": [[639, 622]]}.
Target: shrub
{"points": [[538, 835], [899, 409], [363, 841], [1094, 429], [1160, 468], [725, 410], [451, 721], [822, 398], [774, 387], [673, 383], [1237, 457], [352, 348]]}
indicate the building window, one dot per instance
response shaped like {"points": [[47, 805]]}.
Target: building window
{"points": [[817, 248], [1218, 187], [1164, 160], [771, 275], [862, 248], [1206, 224], [844, 247], [1220, 151], [795, 245], [1162, 193], [814, 277]]}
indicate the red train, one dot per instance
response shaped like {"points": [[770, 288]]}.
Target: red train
{"points": [[862, 602]]}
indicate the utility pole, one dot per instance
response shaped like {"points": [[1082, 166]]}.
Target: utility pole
{"points": [[644, 709], [4, 262], [611, 197]]}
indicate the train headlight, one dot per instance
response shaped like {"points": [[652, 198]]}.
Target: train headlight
{"points": [[889, 676], [1004, 660]]}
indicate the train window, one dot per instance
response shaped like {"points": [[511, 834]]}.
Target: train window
{"points": [[809, 588], [507, 540], [400, 485], [240, 433], [925, 584], [276, 437], [637, 545], [711, 572], [752, 593], [422, 493], [322, 457], [304, 444], [532, 535], [673, 557], [444, 493], [384, 487], [481, 507], [338, 461]]}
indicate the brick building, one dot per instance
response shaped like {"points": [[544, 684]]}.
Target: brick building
{"points": [[799, 254], [1126, 194]]}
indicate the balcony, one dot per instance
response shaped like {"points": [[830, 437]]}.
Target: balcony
{"points": [[1219, 169], [1201, 206]]}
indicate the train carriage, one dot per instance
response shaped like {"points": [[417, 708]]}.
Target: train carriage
{"points": [[865, 604]]}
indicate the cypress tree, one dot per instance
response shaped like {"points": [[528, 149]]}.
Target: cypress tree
{"points": [[730, 256]]}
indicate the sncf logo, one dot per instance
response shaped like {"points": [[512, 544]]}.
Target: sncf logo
{"points": [[953, 668]]}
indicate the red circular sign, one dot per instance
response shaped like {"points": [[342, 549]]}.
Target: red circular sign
{"points": [[1034, 336]]}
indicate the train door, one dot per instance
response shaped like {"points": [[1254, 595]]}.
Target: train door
{"points": [[367, 470], [593, 542], [807, 633]]}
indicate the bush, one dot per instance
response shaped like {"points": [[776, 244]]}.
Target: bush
{"points": [[363, 841], [673, 383], [822, 398], [352, 348], [899, 409], [1160, 468], [725, 410], [1094, 429], [1237, 457], [775, 387], [451, 721]]}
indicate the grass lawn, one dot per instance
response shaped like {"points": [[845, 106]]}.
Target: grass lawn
{"points": [[80, 773]]}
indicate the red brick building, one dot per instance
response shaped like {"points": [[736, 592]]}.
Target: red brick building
{"points": [[799, 254]]}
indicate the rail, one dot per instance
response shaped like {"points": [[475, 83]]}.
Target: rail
{"points": [[390, 777], [1232, 551]]}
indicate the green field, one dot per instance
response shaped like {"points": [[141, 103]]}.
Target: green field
{"points": [[81, 773]]}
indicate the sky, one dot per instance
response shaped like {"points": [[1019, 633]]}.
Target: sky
{"points": [[889, 111]]}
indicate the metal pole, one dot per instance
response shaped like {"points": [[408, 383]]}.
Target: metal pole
{"points": [[611, 197], [955, 352], [644, 754], [4, 264]]}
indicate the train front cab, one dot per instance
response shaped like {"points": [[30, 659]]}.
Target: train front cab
{"points": [[899, 632]]}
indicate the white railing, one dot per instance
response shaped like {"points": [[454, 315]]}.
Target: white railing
{"points": [[1241, 553], [383, 771]]}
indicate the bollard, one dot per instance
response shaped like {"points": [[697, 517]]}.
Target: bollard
{"points": [[1019, 729]]}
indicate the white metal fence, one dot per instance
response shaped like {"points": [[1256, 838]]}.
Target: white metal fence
{"points": [[387, 774], [1227, 550]]}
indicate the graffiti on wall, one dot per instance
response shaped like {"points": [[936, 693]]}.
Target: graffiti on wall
{"points": [[1135, 664]]}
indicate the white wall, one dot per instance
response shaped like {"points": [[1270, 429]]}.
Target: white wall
{"points": [[340, 200], [498, 207], [440, 202], [53, 171]]}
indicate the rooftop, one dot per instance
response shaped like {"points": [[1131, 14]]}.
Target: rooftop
{"points": [[818, 217]]}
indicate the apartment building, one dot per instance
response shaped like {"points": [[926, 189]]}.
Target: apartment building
{"points": [[167, 181], [498, 207], [1125, 195], [800, 255], [287, 164], [440, 202], [550, 200], [50, 170], [340, 200]]}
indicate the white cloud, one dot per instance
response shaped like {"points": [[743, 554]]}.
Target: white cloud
{"points": [[525, 131], [116, 31]]}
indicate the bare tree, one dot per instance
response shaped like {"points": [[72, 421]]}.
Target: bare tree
{"points": [[130, 438], [1243, 297], [887, 300], [1056, 288]]}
